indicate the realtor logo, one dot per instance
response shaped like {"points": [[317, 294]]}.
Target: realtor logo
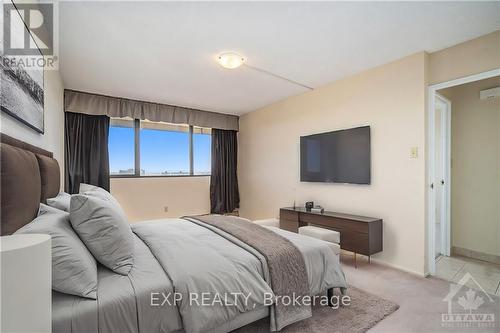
{"points": [[470, 301], [29, 34], [28, 27]]}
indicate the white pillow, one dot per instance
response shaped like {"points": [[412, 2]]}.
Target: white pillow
{"points": [[86, 187], [74, 270], [99, 192], [61, 201], [104, 228]]}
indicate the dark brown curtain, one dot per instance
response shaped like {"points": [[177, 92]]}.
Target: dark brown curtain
{"points": [[86, 151], [224, 193]]}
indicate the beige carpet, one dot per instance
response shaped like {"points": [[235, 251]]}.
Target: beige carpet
{"points": [[363, 313], [421, 300]]}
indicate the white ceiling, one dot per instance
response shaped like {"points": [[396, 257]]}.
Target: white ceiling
{"points": [[165, 52]]}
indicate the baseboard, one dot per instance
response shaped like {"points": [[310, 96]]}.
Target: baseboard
{"points": [[387, 264], [406, 270], [460, 251]]}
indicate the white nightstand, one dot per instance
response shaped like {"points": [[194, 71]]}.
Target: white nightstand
{"points": [[26, 283]]}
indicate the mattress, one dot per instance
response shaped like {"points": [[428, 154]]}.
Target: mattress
{"points": [[117, 300], [177, 253], [124, 302]]}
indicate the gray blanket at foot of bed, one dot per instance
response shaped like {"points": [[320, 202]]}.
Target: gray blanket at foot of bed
{"points": [[287, 270]]}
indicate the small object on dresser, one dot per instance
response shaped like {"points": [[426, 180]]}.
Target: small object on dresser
{"points": [[317, 210], [309, 205]]}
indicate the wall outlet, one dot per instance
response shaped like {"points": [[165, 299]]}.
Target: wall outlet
{"points": [[414, 152], [165, 209]]}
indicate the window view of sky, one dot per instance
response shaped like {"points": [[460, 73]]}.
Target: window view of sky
{"points": [[202, 147], [121, 150], [164, 152], [161, 152]]}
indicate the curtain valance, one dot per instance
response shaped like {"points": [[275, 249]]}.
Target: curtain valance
{"points": [[93, 104]]}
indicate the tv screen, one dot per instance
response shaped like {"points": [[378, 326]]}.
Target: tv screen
{"points": [[336, 157]]}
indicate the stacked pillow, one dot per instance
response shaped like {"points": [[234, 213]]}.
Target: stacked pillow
{"points": [[84, 227], [102, 225], [74, 270], [61, 201]]}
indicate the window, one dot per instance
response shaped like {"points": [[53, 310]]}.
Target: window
{"points": [[202, 146], [164, 149], [146, 148], [121, 147]]}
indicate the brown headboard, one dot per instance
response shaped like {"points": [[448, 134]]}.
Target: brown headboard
{"points": [[28, 175]]}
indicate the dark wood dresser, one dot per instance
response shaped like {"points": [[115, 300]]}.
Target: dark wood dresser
{"points": [[358, 234]]}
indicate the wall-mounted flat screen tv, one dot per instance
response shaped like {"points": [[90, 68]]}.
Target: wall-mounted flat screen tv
{"points": [[336, 157]]}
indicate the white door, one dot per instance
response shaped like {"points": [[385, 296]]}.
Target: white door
{"points": [[441, 177]]}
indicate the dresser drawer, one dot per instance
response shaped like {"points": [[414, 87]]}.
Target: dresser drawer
{"points": [[359, 227], [355, 242], [288, 225], [335, 223], [289, 215]]}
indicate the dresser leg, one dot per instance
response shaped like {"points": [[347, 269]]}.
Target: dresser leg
{"points": [[369, 259], [355, 262]]}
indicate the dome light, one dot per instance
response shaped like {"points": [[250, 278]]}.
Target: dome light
{"points": [[230, 60]]}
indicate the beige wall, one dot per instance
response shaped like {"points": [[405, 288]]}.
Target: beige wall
{"points": [[475, 173], [53, 137], [145, 198], [361, 103], [391, 99], [472, 57]]}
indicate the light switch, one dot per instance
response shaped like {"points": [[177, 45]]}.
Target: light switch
{"points": [[414, 152]]}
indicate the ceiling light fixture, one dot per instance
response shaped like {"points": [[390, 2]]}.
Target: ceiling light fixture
{"points": [[230, 60]]}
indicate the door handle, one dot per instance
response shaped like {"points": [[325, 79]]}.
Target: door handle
{"points": [[442, 181], [432, 186]]}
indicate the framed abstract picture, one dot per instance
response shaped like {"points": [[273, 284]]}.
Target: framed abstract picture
{"points": [[22, 85]]}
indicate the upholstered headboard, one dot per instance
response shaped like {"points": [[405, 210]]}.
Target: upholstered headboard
{"points": [[28, 175]]}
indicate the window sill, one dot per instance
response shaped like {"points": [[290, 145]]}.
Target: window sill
{"points": [[158, 176]]}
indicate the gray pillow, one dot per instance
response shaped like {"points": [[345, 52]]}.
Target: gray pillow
{"points": [[86, 187], [103, 227], [61, 201], [99, 192], [74, 270]]}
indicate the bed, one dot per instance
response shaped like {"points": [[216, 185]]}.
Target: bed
{"points": [[172, 258]]}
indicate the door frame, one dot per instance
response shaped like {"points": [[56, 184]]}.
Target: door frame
{"points": [[446, 172], [431, 162]]}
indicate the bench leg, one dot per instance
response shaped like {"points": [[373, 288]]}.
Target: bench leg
{"points": [[329, 294]]}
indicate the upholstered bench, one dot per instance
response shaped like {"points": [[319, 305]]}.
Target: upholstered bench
{"points": [[272, 222], [327, 235]]}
